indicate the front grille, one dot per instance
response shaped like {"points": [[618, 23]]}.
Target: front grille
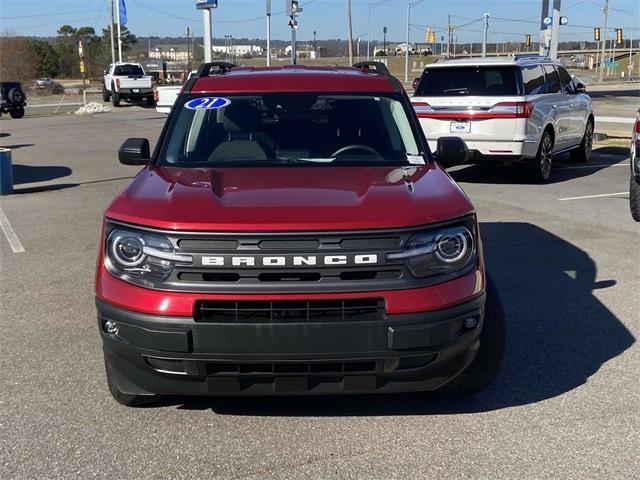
{"points": [[286, 311]]}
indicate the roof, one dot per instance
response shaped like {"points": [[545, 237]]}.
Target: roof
{"points": [[294, 78], [467, 62]]}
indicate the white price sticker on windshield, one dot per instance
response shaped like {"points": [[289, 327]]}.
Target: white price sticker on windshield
{"points": [[415, 159]]}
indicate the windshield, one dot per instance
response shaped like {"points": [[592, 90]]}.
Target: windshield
{"points": [[468, 81], [291, 128], [128, 70]]}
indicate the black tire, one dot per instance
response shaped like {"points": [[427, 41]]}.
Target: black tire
{"points": [[15, 95], [150, 101], [106, 95], [125, 398], [541, 165], [17, 112], [115, 99], [634, 199], [583, 152], [483, 370]]}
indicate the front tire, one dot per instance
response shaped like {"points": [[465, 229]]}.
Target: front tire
{"points": [[126, 398], [106, 95], [634, 199], [583, 152], [542, 163], [17, 112], [150, 101], [483, 370]]}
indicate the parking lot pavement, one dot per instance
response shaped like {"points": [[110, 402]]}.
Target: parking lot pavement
{"points": [[566, 405]]}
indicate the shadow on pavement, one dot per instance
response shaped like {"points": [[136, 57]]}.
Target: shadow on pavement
{"points": [[559, 334], [563, 169], [63, 186], [15, 147], [32, 174], [614, 93]]}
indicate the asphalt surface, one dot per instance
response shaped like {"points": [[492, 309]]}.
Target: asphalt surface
{"points": [[566, 404]]}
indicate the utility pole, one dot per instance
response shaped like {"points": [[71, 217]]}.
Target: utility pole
{"points": [[449, 36], [350, 33], [113, 46], [188, 52], [604, 40], [555, 30], [543, 27], [268, 33], [485, 34]]}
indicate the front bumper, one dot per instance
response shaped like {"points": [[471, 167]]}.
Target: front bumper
{"points": [[153, 354]]}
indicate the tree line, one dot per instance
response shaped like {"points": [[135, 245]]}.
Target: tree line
{"points": [[25, 58]]}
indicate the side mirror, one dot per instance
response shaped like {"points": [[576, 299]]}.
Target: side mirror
{"points": [[416, 81], [134, 151], [451, 151], [580, 88]]}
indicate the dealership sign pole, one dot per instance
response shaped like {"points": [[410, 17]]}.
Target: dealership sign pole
{"points": [[268, 33], [206, 6]]}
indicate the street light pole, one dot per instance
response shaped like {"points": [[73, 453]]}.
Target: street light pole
{"points": [[604, 40], [350, 32], [268, 33]]}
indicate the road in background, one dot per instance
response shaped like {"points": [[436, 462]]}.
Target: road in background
{"points": [[566, 404]]}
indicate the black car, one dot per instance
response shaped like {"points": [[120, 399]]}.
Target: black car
{"points": [[12, 99]]}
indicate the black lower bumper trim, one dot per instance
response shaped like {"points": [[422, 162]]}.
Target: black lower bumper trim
{"points": [[176, 355]]}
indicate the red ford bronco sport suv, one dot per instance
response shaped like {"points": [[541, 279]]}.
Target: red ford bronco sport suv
{"points": [[292, 234]]}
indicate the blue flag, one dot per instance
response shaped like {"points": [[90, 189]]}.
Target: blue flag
{"points": [[123, 13]]}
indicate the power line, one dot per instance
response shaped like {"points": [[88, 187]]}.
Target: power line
{"points": [[51, 14]]}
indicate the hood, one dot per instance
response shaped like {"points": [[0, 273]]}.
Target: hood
{"points": [[298, 198]]}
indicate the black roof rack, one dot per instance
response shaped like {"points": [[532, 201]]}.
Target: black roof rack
{"points": [[215, 68], [375, 67]]}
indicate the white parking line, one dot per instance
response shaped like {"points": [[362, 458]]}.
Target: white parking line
{"points": [[12, 238], [595, 196], [574, 167], [627, 120]]}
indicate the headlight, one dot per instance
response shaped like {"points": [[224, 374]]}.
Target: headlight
{"points": [[438, 252], [141, 257]]}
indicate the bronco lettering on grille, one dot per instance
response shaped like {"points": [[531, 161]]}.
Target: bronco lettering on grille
{"points": [[288, 260]]}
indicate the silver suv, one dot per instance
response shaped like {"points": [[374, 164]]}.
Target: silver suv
{"points": [[515, 110]]}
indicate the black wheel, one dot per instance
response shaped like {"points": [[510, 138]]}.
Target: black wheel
{"points": [[115, 99], [125, 398], [583, 152], [542, 163], [481, 373], [634, 199], [106, 96], [17, 112], [150, 102]]}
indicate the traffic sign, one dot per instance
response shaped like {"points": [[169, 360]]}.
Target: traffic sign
{"points": [[202, 4]]}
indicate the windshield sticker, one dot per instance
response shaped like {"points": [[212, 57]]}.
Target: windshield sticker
{"points": [[415, 159], [207, 103]]}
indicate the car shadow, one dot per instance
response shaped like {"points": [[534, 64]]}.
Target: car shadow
{"points": [[32, 174], [559, 335], [563, 169]]}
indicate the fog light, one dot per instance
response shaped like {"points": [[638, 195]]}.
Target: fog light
{"points": [[111, 327], [470, 323]]}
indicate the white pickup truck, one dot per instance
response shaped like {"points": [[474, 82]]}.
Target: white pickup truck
{"points": [[127, 81], [166, 96]]}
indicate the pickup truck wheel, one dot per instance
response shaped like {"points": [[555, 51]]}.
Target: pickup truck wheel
{"points": [[634, 199], [115, 99], [150, 101], [583, 152], [126, 398], [106, 96], [17, 112], [541, 164], [483, 370]]}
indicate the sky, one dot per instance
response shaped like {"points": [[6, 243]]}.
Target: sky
{"points": [[509, 21]]}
